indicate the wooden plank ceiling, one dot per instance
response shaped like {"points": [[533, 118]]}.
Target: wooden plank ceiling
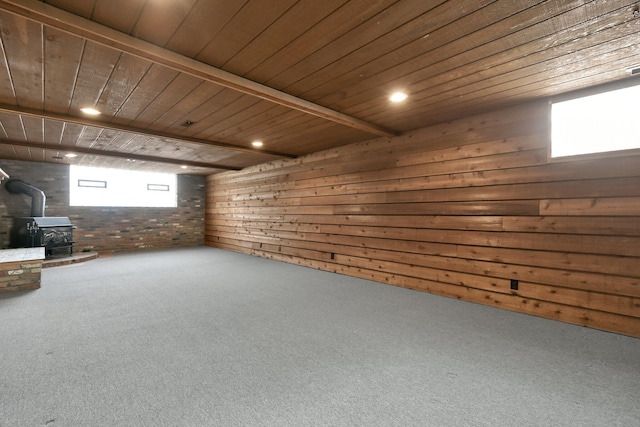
{"points": [[299, 75]]}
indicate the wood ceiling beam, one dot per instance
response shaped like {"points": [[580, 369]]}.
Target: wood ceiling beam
{"points": [[12, 109], [57, 18], [117, 154]]}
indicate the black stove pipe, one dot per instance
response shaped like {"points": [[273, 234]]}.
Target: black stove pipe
{"points": [[38, 199]]}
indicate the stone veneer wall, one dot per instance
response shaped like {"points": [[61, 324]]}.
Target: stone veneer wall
{"points": [[107, 229], [20, 269], [20, 275]]}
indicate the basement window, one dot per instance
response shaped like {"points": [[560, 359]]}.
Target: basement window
{"points": [[601, 123], [91, 186], [92, 183]]}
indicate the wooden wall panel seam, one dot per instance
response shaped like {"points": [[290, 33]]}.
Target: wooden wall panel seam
{"points": [[458, 209]]}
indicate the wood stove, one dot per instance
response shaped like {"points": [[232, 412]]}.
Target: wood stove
{"points": [[54, 233]]}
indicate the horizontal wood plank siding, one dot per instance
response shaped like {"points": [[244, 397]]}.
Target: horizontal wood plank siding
{"points": [[457, 209]]}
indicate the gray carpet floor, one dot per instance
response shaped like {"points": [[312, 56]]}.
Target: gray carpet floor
{"points": [[205, 337]]}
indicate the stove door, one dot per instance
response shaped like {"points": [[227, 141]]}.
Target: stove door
{"points": [[56, 236]]}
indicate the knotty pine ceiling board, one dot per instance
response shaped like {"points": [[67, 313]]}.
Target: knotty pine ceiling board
{"points": [[81, 8], [119, 157], [449, 51], [70, 134], [62, 57], [179, 87], [53, 131], [12, 127], [121, 15], [7, 92], [123, 163], [216, 109], [317, 37], [252, 116], [443, 42], [33, 128], [501, 70], [346, 51], [119, 141], [293, 23], [291, 132], [192, 107], [145, 91], [472, 78], [130, 143], [253, 125], [88, 136], [124, 80], [22, 41], [247, 24], [454, 58], [105, 139], [96, 67], [201, 23], [25, 153], [362, 44], [553, 76], [7, 152]]}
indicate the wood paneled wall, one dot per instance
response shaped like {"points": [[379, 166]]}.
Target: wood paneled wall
{"points": [[459, 209]]}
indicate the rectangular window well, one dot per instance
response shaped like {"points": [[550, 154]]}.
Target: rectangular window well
{"points": [[91, 183], [157, 187]]}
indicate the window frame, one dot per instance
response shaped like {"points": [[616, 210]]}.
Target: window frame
{"points": [[142, 182], [595, 90], [86, 185]]}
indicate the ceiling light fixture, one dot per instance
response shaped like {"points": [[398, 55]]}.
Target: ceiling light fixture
{"points": [[70, 155], [257, 143], [398, 97], [90, 111], [183, 166]]}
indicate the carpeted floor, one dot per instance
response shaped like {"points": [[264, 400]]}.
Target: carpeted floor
{"points": [[205, 337]]}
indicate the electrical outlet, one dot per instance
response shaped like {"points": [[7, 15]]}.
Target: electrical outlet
{"points": [[514, 284]]}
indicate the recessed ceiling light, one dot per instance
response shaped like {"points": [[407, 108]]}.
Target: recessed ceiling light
{"points": [[183, 166], [90, 111], [71, 155], [398, 97], [257, 143], [187, 123]]}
